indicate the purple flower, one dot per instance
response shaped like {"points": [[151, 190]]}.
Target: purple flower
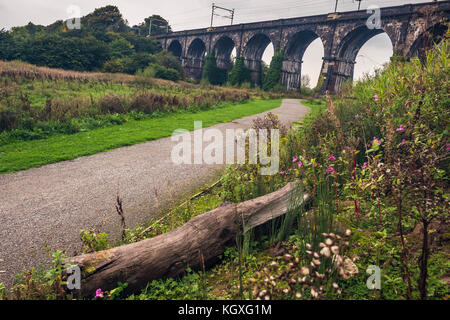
{"points": [[330, 170], [359, 230], [294, 159], [376, 141], [376, 97], [400, 129], [300, 164], [98, 293], [332, 157], [448, 147]]}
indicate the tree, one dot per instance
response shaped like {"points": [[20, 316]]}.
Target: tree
{"points": [[106, 18], [211, 73], [240, 73], [159, 25], [120, 48], [274, 74]]}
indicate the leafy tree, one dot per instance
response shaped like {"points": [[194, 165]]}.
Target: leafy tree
{"points": [[240, 73], [5, 45], [211, 73], [106, 18], [120, 48], [274, 74], [159, 25]]}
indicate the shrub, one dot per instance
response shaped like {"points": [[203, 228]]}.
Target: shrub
{"points": [[113, 66], [94, 241]]}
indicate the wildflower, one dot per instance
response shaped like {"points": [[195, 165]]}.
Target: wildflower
{"points": [[403, 142], [98, 293], [399, 129], [359, 230], [283, 173], [300, 164], [448, 147], [376, 141], [347, 148], [330, 171], [376, 97], [294, 159], [357, 116], [332, 157]]}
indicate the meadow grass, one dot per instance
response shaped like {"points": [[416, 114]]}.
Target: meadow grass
{"points": [[23, 155]]}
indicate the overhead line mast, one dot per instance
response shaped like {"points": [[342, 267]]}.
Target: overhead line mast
{"points": [[230, 11]]}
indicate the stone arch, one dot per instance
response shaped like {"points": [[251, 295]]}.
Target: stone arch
{"points": [[253, 53], [195, 58], [223, 48], [425, 41], [346, 53], [293, 55], [175, 48]]}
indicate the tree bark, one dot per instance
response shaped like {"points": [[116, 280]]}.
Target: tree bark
{"points": [[204, 238]]}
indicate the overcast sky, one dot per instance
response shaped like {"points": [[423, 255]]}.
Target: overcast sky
{"points": [[191, 14]]}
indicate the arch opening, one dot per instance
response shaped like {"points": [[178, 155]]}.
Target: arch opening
{"points": [[175, 48], [296, 72], [195, 59], [427, 40], [376, 48], [224, 49], [259, 49]]}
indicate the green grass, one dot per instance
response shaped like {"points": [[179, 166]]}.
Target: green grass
{"points": [[28, 154]]}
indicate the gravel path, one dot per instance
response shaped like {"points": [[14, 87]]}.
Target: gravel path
{"points": [[46, 207]]}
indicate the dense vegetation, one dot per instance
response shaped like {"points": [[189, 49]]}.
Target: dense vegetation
{"points": [[103, 43], [375, 161]]}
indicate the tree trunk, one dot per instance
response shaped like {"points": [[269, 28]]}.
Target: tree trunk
{"points": [[423, 261], [204, 238]]}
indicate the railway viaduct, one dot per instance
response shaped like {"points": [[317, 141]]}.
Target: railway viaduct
{"points": [[411, 29]]}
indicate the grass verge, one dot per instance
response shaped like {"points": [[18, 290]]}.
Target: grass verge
{"points": [[28, 154]]}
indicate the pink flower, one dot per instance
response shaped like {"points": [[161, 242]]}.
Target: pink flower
{"points": [[365, 165], [294, 159], [376, 97], [283, 173], [359, 230], [357, 116], [347, 148], [376, 141], [332, 157], [403, 142], [330, 171], [400, 129], [448, 147], [98, 293], [300, 164]]}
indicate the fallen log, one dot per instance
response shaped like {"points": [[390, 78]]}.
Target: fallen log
{"points": [[197, 244]]}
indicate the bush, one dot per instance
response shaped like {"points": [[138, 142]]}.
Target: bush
{"points": [[161, 72], [113, 66], [93, 241]]}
